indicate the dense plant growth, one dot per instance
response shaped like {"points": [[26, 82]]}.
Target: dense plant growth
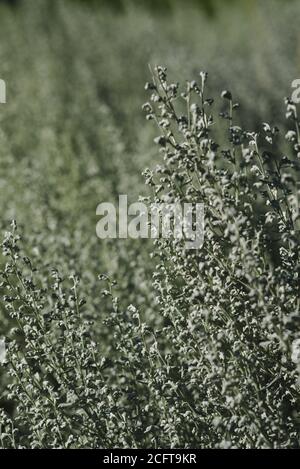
{"points": [[170, 347], [219, 369]]}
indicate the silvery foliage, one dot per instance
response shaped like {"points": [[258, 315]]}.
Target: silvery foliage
{"points": [[222, 369]]}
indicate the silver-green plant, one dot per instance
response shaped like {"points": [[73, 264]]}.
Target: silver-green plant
{"points": [[220, 367]]}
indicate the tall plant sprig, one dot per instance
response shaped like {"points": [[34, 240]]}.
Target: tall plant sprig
{"points": [[65, 392]]}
